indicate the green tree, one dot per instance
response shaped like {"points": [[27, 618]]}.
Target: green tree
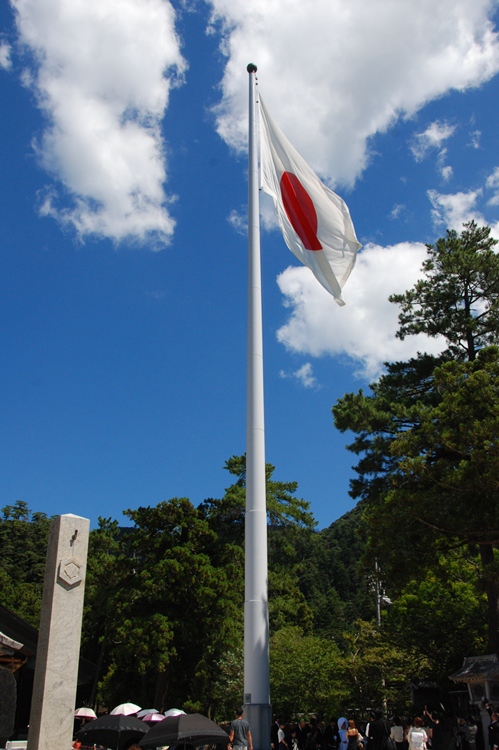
{"points": [[171, 613], [443, 612], [375, 670], [226, 516], [164, 605], [445, 485], [228, 683], [418, 435], [290, 522], [305, 673], [459, 296], [23, 541], [106, 596]]}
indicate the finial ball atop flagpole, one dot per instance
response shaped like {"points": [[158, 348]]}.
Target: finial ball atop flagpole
{"points": [[251, 68]]}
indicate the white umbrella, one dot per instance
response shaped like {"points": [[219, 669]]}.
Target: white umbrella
{"points": [[126, 709], [146, 711], [85, 713], [174, 712]]}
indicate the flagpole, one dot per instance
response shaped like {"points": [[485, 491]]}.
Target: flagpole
{"points": [[256, 618]]}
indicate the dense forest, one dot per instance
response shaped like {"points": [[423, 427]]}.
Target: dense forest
{"points": [[163, 619]]}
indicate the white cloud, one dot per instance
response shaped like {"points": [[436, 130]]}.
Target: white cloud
{"points": [[238, 218], [5, 52], [475, 139], [364, 330], [446, 172], [268, 216], [432, 138], [238, 221], [492, 183], [398, 211], [102, 71], [454, 209], [334, 72], [304, 375]]}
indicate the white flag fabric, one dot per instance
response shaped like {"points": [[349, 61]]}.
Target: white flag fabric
{"points": [[315, 222]]}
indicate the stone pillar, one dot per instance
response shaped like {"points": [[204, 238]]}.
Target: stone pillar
{"points": [[58, 650]]}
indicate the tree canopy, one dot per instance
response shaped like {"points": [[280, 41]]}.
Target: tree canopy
{"points": [[427, 434], [459, 296]]}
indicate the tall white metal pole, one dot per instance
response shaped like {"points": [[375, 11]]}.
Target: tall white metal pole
{"points": [[256, 615]]}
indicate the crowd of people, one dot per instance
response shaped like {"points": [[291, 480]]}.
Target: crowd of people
{"points": [[430, 731]]}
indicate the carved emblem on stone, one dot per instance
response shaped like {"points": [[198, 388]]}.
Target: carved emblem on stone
{"points": [[71, 571]]}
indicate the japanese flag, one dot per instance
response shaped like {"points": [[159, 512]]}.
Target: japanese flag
{"points": [[315, 222]]}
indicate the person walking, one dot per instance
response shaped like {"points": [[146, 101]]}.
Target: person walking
{"points": [[353, 737], [281, 736], [417, 736], [301, 733], [397, 733], [240, 734], [331, 738], [342, 732], [274, 733], [379, 731], [494, 731]]}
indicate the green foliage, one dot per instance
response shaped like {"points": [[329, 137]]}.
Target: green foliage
{"points": [[375, 670], [441, 490], [171, 613], [305, 673], [283, 508], [228, 684], [331, 577], [287, 604], [426, 435], [23, 541], [442, 613], [290, 523], [164, 604], [449, 460], [459, 298]]}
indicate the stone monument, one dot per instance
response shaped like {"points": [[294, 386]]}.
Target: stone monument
{"points": [[58, 651]]}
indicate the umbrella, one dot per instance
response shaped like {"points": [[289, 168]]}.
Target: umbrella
{"points": [[146, 711], [152, 718], [85, 713], [192, 728], [112, 731], [127, 709], [173, 712]]}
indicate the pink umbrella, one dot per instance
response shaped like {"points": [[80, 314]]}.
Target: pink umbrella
{"points": [[152, 718], [146, 711]]}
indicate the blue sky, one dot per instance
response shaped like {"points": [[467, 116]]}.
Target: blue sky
{"points": [[123, 253]]}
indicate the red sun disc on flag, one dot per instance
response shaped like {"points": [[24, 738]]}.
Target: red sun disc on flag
{"points": [[300, 210]]}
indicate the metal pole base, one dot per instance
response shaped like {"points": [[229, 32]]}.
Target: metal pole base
{"points": [[259, 717]]}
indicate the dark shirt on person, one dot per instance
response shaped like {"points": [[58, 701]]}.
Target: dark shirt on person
{"points": [[331, 736], [301, 735], [379, 730], [494, 733]]}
